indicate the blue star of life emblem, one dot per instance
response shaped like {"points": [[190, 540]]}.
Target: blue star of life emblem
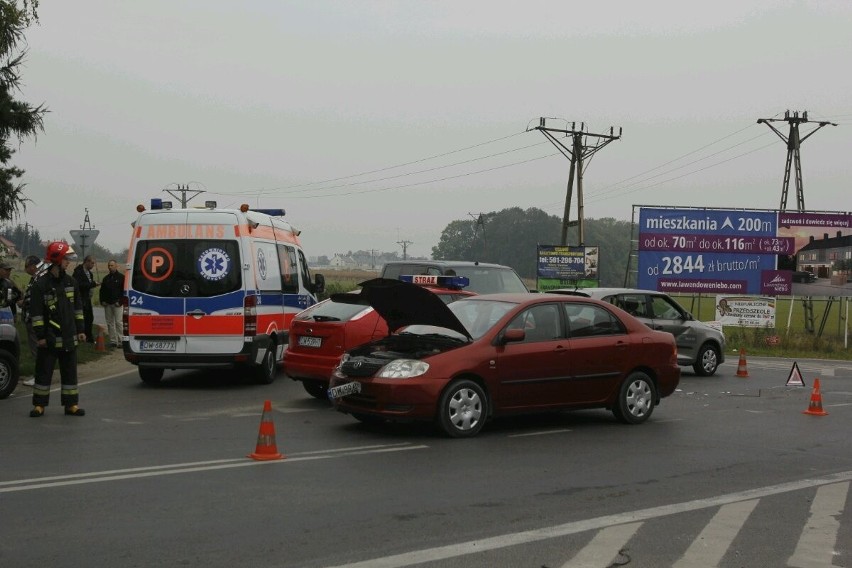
{"points": [[214, 264]]}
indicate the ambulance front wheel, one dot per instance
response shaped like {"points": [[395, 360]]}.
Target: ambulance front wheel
{"points": [[265, 372], [151, 375]]}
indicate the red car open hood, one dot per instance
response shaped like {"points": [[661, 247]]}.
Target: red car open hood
{"points": [[402, 304]]}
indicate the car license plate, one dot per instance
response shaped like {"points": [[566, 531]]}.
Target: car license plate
{"points": [[158, 345], [344, 390], [307, 341]]}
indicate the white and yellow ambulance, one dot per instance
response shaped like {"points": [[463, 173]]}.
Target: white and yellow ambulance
{"points": [[209, 287]]}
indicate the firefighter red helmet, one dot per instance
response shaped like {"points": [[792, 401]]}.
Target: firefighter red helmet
{"points": [[58, 250]]}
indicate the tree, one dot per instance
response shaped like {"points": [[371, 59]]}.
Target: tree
{"points": [[457, 242], [18, 118], [511, 237], [26, 238]]}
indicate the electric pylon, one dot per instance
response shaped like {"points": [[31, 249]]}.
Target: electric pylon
{"points": [[794, 141]]}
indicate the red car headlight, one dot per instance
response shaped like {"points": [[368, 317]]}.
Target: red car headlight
{"points": [[403, 369]]}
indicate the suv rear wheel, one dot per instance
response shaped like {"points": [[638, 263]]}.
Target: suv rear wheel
{"points": [[8, 373], [707, 361]]}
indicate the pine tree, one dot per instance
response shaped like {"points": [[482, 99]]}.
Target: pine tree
{"points": [[18, 119]]}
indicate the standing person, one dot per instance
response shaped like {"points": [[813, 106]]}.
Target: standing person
{"points": [[86, 282], [112, 289], [56, 309], [9, 291], [34, 267]]}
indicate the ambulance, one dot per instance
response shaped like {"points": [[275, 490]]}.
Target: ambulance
{"points": [[212, 288]]}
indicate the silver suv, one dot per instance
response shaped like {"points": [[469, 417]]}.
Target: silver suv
{"points": [[10, 350], [698, 344]]}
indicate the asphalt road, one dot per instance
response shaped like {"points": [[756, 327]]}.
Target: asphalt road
{"points": [[728, 472]]}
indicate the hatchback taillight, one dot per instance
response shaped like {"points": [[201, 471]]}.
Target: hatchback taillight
{"points": [[250, 316]]}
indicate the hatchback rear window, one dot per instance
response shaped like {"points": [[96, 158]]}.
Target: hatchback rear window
{"points": [[332, 311], [186, 268]]}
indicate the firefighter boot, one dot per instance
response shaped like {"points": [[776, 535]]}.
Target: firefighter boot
{"points": [[74, 410]]}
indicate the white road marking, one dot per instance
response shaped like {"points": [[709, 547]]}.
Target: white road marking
{"points": [[540, 433], [710, 546], [819, 537], [525, 537], [604, 548], [191, 467]]}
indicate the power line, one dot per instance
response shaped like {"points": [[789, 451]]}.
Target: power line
{"points": [[612, 188], [436, 180], [265, 190], [692, 172], [426, 170], [683, 156]]}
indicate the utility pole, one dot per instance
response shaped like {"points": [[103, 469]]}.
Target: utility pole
{"points": [[184, 189], [479, 223], [404, 245], [580, 149], [793, 141]]}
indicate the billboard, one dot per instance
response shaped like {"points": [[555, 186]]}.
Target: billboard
{"points": [[737, 251], [745, 311], [567, 267]]}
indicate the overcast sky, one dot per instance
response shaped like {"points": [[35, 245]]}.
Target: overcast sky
{"points": [[374, 123]]}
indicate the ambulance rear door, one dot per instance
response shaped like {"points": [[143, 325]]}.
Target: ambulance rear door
{"points": [[213, 282], [186, 293], [156, 312]]}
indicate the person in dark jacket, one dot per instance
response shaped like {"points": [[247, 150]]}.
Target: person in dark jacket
{"points": [[112, 289], [35, 268], [9, 291], [56, 310], [86, 282]]}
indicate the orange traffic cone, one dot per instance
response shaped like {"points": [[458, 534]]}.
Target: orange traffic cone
{"points": [[742, 371], [815, 407], [99, 342], [266, 448]]}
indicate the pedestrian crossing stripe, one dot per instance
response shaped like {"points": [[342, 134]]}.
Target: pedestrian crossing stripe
{"points": [[795, 378]]}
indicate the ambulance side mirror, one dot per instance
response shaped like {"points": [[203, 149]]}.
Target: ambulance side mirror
{"points": [[319, 284]]}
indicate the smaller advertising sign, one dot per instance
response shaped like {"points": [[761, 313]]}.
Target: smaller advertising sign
{"points": [[565, 266], [745, 311]]}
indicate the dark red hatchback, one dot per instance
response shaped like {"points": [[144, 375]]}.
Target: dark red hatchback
{"points": [[463, 363], [321, 334]]}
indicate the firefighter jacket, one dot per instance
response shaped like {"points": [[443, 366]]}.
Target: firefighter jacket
{"points": [[56, 310]]}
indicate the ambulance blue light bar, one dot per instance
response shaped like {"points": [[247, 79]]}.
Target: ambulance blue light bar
{"points": [[451, 282], [271, 212], [157, 203]]}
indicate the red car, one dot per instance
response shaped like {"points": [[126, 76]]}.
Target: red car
{"points": [[497, 354], [322, 333]]}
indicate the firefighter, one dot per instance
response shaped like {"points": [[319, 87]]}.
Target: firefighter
{"points": [[57, 316]]}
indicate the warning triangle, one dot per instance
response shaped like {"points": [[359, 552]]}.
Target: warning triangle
{"points": [[795, 379]]}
